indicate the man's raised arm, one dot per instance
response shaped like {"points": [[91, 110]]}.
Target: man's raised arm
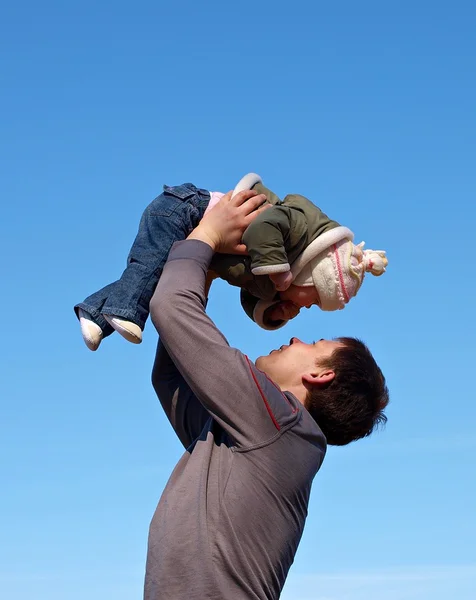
{"points": [[182, 408], [184, 411]]}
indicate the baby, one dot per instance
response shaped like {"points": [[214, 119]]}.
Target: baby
{"points": [[298, 257]]}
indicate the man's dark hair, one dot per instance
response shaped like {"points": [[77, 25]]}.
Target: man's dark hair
{"points": [[350, 406]]}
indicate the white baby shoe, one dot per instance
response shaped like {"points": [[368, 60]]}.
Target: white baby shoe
{"points": [[130, 331], [91, 332]]}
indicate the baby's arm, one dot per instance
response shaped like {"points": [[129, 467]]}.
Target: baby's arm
{"points": [[267, 240]]}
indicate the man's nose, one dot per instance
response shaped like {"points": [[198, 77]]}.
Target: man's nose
{"points": [[294, 340]]}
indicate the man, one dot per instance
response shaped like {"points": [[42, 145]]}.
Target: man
{"points": [[230, 519]]}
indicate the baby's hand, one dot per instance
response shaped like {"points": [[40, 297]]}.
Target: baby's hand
{"points": [[283, 311], [281, 280]]}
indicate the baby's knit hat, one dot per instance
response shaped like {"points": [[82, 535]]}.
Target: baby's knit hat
{"points": [[338, 270]]}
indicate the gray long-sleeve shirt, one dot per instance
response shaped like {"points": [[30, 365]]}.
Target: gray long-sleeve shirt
{"points": [[232, 513]]}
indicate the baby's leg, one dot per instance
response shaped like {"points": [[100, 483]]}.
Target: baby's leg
{"points": [[169, 218]]}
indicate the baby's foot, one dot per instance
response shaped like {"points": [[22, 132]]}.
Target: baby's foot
{"points": [[91, 332], [130, 331]]}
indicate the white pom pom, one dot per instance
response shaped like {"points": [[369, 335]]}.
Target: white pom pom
{"points": [[375, 261]]}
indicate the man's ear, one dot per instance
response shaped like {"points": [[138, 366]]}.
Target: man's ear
{"points": [[321, 378]]}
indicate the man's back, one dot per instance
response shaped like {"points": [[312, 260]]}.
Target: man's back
{"points": [[232, 514]]}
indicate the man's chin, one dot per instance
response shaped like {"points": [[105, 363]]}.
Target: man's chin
{"points": [[263, 362], [260, 362]]}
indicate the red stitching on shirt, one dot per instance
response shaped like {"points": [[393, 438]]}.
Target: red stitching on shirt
{"points": [[280, 390], [268, 407]]}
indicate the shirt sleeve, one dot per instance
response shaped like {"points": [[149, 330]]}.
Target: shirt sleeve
{"points": [[249, 407], [269, 237], [182, 408]]}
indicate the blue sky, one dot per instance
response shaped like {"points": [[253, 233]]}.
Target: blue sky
{"points": [[369, 109]]}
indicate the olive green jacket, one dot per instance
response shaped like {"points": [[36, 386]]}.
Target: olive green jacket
{"points": [[275, 240]]}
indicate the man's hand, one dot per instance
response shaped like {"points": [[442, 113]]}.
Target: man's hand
{"points": [[223, 227], [283, 311]]}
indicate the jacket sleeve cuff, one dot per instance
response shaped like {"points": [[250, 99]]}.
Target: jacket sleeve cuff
{"points": [[270, 269]]}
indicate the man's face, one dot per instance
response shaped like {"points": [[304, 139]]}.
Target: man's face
{"points": [[301, 295], [287, 365]]}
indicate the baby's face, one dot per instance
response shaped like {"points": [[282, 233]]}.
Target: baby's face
{"points": [[301, 296]]}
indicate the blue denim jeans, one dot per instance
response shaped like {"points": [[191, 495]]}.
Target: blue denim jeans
{"points": [[168, 219]]}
